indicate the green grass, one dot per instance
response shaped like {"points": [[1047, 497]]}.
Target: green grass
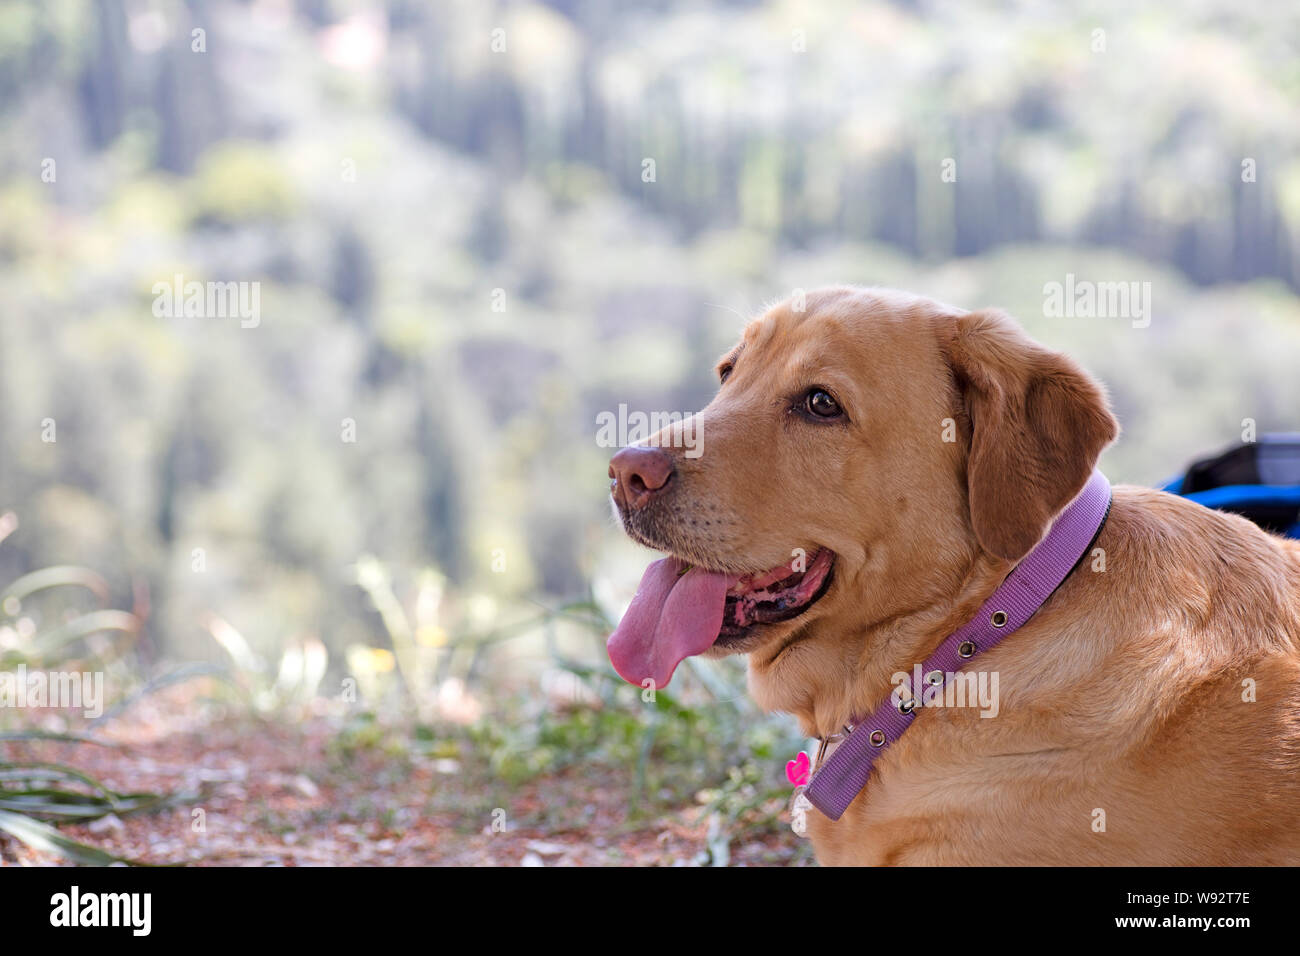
{"points": [[48, 627]]}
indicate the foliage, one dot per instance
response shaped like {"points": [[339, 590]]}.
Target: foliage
{"points": [[380, 172], [704, 742], [36, 793]]}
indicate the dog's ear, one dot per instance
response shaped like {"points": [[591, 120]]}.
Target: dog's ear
{"points": [[1037, 424]]}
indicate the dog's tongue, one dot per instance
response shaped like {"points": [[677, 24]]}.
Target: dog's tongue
{"points": [[672, 616]]}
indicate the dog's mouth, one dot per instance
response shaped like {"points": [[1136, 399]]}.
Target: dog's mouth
{"points": [[776, 595], [680, 610]]}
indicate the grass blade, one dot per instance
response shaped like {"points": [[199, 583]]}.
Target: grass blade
{"points": [[41, 836]]}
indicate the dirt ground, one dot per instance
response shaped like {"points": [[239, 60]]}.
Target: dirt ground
{"points": [[305, 793]]}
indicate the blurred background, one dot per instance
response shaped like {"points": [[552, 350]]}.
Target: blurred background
{"points": [[476, 226]]}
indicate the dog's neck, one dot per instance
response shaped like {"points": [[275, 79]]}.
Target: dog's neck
{"points": [[895, 645], [826, 683]]}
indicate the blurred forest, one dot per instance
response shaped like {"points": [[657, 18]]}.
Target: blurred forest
{"points": [[460, 250], [380, 170]]}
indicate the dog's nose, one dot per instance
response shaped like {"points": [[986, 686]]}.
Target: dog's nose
{"points": [[639, 474]]}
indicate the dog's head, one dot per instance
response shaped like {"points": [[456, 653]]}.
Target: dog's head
{"points": [[860, 455]]}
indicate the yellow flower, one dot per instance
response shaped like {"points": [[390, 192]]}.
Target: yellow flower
{"points": [[370, 660], [430, 635]]}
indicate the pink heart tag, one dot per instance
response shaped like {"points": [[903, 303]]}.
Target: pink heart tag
{"points": [[796, 770]]}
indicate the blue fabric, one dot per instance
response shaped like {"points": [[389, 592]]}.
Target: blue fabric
{"points": [[1230, 497]]}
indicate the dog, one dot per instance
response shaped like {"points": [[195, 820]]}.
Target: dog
{"points": [[874, 466]]}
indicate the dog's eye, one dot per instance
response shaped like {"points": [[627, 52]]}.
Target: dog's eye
{"points": [[724, 373], [822, 404]]}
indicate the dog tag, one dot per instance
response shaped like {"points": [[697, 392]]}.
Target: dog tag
{"points": [[797, 770], [799, 808]]}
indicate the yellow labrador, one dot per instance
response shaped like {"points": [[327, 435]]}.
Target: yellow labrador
{"points": [[873, 468]]}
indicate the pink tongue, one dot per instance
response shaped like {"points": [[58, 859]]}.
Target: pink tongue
{"points": [[672, 616]]}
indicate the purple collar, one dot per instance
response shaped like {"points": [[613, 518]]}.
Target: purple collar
{"points": [[841, 778]]}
